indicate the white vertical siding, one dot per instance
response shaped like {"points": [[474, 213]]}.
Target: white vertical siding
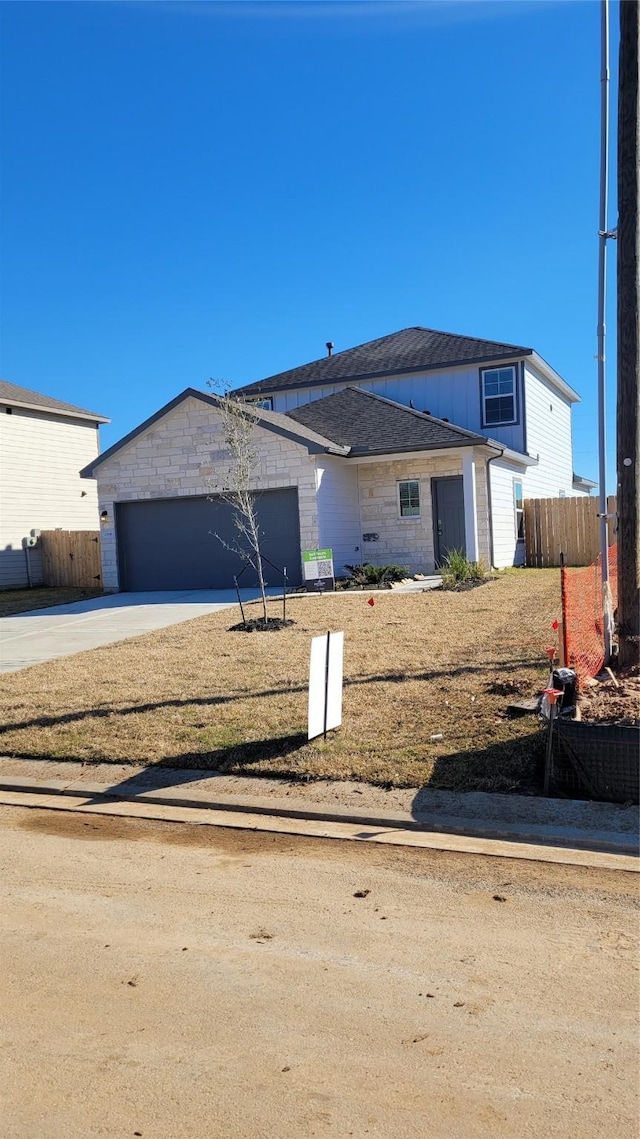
{"points": [[506, 550], [288, 401], [548, 430], [41, 456], [452, 394], [339, 511]]}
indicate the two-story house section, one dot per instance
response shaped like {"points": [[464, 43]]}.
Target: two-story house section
{"points": [[43, 444], [505, 392], [396, 451]]}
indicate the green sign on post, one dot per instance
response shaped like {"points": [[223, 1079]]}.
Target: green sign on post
{"points": [[318, 570]]}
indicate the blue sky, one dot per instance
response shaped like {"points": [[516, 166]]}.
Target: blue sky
{"points": [[201, 189]]}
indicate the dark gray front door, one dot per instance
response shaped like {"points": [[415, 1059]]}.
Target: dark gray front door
{"points": [[448, 517], [171, 543]]}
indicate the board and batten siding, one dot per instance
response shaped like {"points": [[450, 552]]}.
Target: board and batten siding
{"points": [[507, 551], [185, 453], [452, 394], [548, 439], [41, 456], [339, 511]]}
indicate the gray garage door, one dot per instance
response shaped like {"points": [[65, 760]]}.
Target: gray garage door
{"points": [[171, 543]]}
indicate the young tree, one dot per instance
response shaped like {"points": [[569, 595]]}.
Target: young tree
{"points": [[235, 484]]}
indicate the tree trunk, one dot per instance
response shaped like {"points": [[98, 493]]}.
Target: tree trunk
{"points": [[628, 451], [256, 546]]}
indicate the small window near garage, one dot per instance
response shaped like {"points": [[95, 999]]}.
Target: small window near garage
{"points": [[498, 396], [562, 494], [518, 506], [409, 498]]}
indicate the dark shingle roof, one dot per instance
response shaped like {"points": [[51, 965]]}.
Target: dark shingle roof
{"points": [[373, 425], [411, 350], [14, 394]]}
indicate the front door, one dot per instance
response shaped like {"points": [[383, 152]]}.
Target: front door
{"points": [[448, 517]]}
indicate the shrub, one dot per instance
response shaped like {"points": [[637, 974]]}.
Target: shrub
{"points": [[370, 575], [457, 570]]}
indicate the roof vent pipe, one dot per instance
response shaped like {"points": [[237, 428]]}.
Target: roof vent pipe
{"points": [[329, 347]]}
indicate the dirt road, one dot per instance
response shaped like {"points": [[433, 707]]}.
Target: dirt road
{"points": [[171, 981]]}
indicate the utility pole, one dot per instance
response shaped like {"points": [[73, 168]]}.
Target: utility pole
{"points": [[628, 421], [604, 234]]}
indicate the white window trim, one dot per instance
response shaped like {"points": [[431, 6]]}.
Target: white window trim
{"points": [[518, 482], [483, 397], [408, 517]]}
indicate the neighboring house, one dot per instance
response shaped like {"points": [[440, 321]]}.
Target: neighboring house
{"points": [[43, 444], [395, 451]]}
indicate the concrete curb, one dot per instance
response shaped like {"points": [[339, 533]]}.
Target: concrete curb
{"points": [[310, 828], [444, 828]]}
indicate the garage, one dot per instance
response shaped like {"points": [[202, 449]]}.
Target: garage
{"points": [[174, 543]]}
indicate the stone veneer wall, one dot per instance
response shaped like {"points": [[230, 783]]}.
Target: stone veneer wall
{"points": [[180, 454], [409, 541]]}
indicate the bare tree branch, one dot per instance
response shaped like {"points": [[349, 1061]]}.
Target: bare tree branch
{"points": [[235, 484]]}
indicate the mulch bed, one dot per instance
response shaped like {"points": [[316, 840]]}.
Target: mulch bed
{"points": [[259, 625]]}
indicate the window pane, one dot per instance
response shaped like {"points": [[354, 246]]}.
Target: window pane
{"points": [[409, 499], [499, 410], [520, 524], [491, 384], [517, 495]]}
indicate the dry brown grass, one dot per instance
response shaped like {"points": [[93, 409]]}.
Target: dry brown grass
{"points": [[23, 600], [197, 695]]}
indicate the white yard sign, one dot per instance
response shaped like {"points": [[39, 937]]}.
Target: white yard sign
{"points": [[325, 684]]}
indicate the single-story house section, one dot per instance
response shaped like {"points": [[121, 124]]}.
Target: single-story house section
{"points": [[373, 479]]}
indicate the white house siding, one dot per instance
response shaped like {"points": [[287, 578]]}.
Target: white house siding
{"points": [[409, 541], [41, 456], [452, 394], [506, 549], [338, 511], [548, 430], [180, 455]]}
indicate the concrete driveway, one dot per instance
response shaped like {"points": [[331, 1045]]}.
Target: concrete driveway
{"points": [[44, 634]]}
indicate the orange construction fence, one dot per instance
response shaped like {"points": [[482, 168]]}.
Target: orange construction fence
{"points": [[582, 614]]}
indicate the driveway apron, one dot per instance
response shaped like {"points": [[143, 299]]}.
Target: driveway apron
{"points": [[45, 634]]}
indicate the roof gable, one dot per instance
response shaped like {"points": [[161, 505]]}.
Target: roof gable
{"points": [[273, 421], [415, 349], [370, 424], [17, 396]]}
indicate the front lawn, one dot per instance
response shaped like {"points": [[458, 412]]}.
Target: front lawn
{"points": [[416, 666]]}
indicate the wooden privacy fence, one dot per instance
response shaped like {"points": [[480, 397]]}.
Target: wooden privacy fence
{"points": [[564, 525], [71, 557]]}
